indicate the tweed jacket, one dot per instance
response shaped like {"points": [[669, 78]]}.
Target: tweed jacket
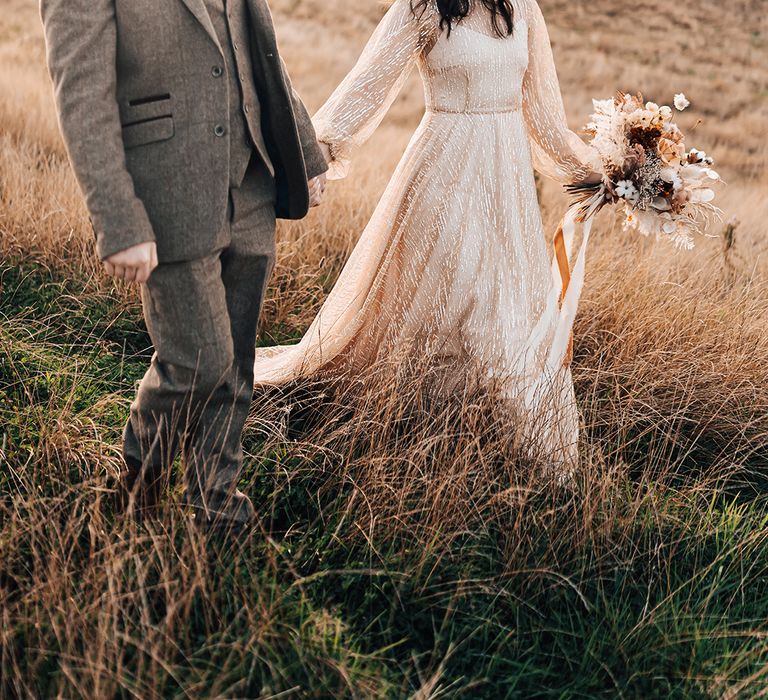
{"points": [[142, 99]]}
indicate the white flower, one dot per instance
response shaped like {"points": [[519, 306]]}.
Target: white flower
{"points": [[696, 157], [681, 102], [625, 189], [652, 107], [669, 175], [666, 112]]}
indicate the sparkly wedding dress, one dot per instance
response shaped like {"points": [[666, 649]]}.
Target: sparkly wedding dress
{"points": [[455, 259]]}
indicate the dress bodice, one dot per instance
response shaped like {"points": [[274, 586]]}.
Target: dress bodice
{"points": [[474, 72], [470, 70]]}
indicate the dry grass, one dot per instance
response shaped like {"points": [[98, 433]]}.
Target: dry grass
{"points": [[405, 549]]}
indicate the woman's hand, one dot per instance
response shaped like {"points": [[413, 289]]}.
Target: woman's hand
{"points": [[594, 178]]}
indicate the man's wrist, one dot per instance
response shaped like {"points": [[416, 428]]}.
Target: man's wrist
{"points": [[107, 250]]}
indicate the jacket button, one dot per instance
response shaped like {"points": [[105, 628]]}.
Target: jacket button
{"points": [[217, 71], [247, 109], [219, 130]]}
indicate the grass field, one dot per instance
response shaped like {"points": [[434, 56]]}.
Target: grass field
{"points": [[404, 549]]}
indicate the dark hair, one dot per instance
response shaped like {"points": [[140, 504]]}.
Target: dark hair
{"points": [[456, 10]]}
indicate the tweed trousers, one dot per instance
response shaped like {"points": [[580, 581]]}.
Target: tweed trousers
{"points": [[202, 316]]}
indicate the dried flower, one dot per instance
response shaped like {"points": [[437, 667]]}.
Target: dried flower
{"points": [[671, 152], [666, 190], [670, 176], [681, 102], [625, 189]]}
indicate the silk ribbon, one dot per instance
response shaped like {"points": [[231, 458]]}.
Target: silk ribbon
{"points": [[571, 284]]}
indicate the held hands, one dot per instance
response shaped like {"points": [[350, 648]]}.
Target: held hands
{"points": [[326, 150], [134, 264], [317, 185], [317, 190]]}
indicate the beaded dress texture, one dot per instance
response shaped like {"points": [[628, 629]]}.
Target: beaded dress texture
{"points": [[455, 258]]}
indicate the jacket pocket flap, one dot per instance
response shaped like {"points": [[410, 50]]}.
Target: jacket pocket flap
{"points": [[144, 108], [150, 131]]}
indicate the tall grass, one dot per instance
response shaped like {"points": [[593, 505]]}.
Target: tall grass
{"points": [[405, 548]]}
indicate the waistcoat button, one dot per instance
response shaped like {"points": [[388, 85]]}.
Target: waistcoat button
{"points": [[219, 130]]}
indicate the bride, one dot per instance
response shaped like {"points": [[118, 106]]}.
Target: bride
{"points": [[454, 259]]}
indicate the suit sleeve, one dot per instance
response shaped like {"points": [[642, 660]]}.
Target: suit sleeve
{"points": [[313, 157], [81, 40]]}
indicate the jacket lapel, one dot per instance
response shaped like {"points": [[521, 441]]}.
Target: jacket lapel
{"points": [[198, 9]]}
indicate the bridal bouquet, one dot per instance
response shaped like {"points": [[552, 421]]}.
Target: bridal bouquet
{"points": [[665, 188]]}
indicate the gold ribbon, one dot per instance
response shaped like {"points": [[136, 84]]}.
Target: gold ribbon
{"points": [[561, 254]]}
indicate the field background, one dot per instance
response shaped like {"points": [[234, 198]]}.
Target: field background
{"points": [[405, 550]]}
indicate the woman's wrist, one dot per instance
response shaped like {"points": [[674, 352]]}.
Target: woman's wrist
{"points": [[591, 178]]}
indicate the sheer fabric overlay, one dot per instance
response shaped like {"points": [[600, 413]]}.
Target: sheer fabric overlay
{"points": [[454, 259]]}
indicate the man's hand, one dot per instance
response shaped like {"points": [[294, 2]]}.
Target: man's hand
{"points": [[326, 149], [134, 264], [317, 185], [316, 190]]}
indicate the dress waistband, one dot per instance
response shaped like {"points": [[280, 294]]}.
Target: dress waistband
{"points": [[490, 110]]}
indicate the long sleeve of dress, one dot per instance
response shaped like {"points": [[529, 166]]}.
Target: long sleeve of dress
{"points": [[557, 151], [314, 160], [358, 105]]}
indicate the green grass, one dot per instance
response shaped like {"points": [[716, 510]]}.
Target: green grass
{"points": [[69, 357], [663, 595]]}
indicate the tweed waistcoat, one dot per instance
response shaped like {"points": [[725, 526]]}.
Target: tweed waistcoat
{"points": [[229, 19]]}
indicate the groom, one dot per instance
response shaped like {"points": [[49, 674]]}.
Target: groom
{"points": [[188, 142]]}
